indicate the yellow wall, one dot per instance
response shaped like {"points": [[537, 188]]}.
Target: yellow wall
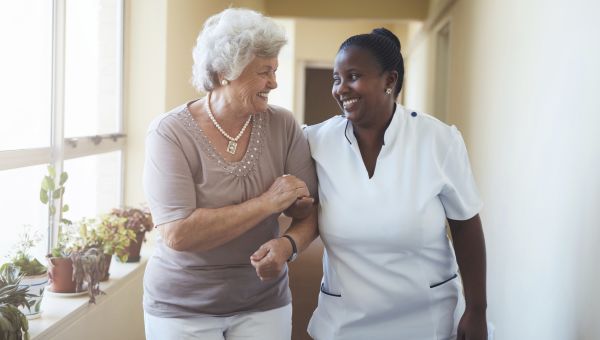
{"points": [[345, 9], [319, 39], [145, 84]]}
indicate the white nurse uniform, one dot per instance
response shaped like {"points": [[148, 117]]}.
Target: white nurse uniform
{"points": [[389, 268]]}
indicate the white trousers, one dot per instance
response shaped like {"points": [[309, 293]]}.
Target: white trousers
{"points": [[274, 324]]}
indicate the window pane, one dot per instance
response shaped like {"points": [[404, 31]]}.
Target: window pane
{"points": [[26, 73], [92, 67], [21, 205], [94, 185]]}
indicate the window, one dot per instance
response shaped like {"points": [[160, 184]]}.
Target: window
{"points": [[61, 82]]}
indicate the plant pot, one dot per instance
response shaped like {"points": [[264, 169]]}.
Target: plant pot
{"points": [[107, 260], [60, 272], [135, 247], [35, 286]]}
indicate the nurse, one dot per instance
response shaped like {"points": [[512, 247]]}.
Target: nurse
{"points": [[389, 179]]}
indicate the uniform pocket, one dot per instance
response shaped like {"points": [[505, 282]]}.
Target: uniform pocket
{"points": [[330, 285], [447, 306], [443, 282], [326, 292]]}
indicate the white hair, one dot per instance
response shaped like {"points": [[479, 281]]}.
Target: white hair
{"points": [[228, 43]]}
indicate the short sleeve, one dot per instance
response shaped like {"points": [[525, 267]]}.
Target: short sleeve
{"points": [[298, 160], [168, 183], [459, 195]]}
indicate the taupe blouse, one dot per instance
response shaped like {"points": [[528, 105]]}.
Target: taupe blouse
{"points": [[183, 172]]}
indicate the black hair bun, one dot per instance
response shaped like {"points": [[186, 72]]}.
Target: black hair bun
{"points": [[388, 34]]}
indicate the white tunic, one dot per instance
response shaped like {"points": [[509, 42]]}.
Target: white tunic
{"points": [[386, 247]]}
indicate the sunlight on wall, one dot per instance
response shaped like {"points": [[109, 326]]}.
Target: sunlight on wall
{"points": [[284, 94], [522, 91]]}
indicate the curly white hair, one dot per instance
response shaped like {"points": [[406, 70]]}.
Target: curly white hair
{"points": [[228, 43]]}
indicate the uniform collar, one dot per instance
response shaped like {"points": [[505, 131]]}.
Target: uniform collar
{"points": [[390, 132]]}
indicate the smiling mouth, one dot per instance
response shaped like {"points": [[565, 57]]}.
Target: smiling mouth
{"points": [[348, 103], [264, 95]]}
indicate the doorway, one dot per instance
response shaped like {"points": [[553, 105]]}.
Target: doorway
{"points": [[319, 105]]}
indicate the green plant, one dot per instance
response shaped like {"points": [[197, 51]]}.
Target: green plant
{"points": [[138, 220], [88, 262], [51, 194], [22, 258], [13, 324], [89, 267], [51, 191], [115, 236], [108, 234]]}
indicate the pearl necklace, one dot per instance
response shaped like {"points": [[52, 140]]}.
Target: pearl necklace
{"points": [[232, 146]]}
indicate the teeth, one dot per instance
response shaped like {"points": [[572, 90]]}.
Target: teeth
{"points": [[349, 102], [264, 94]]}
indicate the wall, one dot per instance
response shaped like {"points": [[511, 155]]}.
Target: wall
{"points": [[145, 83], [118, 315], [523, 86], [353, 9]]}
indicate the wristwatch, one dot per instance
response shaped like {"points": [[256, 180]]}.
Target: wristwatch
{"points": [[294, 248]]}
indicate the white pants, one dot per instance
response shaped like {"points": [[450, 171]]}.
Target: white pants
{"points": [[274, 324]]}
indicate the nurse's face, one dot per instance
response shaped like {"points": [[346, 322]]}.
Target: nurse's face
{"points": [[359, 86]]}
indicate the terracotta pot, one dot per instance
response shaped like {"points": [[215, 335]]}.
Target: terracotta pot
{"points": [[107, 260], [35, 286], [135, 247], [60, 272]]}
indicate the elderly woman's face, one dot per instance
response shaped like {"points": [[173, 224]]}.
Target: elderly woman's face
{"points": [[252, 87]]}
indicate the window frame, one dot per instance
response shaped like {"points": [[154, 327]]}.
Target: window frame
{"points": [[62, 148]]}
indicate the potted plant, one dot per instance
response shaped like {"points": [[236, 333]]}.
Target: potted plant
{"points": [[107, 234], [59, 263], [35, 275], [74, 268], [139, 220], [69, 266], [13, 323]]}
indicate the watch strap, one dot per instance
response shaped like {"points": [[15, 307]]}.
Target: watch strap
{"points": [[294, 248]]}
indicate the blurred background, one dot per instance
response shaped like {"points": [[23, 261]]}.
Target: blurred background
{"points": [[519, 78]]}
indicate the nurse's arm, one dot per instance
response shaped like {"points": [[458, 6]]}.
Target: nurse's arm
{"points": [[271, 257], [469, 245], [301, 208]]}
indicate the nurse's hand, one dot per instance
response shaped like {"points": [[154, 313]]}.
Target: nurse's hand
{"points": [[472, 325], [270, 258]]}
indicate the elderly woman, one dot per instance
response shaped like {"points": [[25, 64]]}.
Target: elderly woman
{"points": [[218, 173]]}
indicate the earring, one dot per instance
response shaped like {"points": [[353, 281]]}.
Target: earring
{"points": [[388, 90], [224, 82]]}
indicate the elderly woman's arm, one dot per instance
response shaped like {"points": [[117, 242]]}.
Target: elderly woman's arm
{"points": [[469, 245], [206, 229], [270, 258]]}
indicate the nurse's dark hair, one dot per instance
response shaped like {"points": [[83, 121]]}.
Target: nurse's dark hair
{"points": [[385, 47]]}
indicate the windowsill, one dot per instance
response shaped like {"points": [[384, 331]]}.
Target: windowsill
{"points": [[60, 312]]}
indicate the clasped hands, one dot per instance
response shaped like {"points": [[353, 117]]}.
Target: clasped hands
{"points": [[289, 195]]}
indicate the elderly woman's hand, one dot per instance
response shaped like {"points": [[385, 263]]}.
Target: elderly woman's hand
{"points": [[284, 192], [270, 258]]}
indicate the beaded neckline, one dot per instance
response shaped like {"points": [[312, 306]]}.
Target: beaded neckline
{"points": [[240, 168]]}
